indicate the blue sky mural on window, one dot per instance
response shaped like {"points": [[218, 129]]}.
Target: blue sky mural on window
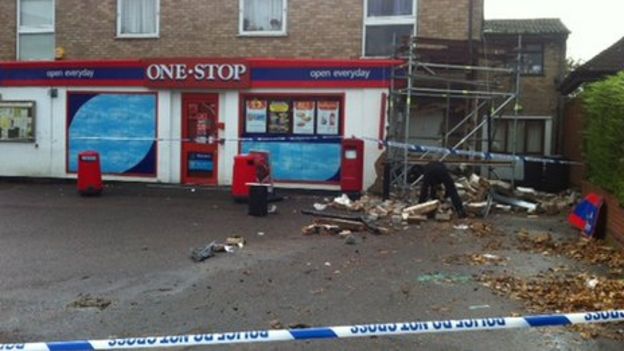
{"points": [[105, 115], [301, 161]]}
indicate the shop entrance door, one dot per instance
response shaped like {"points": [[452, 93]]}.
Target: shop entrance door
{"points": [[200, 146]]}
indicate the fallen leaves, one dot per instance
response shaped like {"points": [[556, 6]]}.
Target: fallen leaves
{"points": [[88, 301], [548, 293], [476, 260], [583, 250]]}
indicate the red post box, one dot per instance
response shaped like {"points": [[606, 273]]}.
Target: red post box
{"points": [[89, 173], [254, 167], [352, 166], [244, 172]]}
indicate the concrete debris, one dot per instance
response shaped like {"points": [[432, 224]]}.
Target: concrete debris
{"points": [[320, 207], [423, 209], [342, 224], [443, 216], [343, 201], [350, 239], [530, 207]]}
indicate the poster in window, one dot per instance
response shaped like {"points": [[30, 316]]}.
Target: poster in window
{"points": [[16, 121], [304, 117], [279, 117], [256, 116], [328, 117]]}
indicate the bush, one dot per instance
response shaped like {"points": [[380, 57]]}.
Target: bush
{"points": [[604, 139]]}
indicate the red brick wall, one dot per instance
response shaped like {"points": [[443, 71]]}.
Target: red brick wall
{"points": [[8, 29], [573, 140], [86, 29], [615, 213], [448, 19]]}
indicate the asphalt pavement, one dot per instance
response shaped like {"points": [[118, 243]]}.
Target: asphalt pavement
{"points": [[131, 248]]}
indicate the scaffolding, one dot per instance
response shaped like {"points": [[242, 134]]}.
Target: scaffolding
{"points": [[448, 73]]}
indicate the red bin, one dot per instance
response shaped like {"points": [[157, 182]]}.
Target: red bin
{"points": [[352, 166], [89, 173]]}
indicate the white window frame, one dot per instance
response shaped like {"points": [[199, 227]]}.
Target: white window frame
{"points": [[33, 30], [139, 35], [387, 20], [262, 33]]}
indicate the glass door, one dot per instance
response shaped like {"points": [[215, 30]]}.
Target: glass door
{"points": [[200, 132]]}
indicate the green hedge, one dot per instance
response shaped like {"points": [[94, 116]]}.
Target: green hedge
{"points": [[604, 138]]}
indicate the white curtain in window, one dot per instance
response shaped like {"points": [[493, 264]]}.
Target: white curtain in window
{"points": [[138, 16], [263, 15], [36, 13], [390, 7]]}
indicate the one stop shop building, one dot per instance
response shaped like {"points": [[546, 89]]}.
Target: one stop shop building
{"points": [[184, 120]]}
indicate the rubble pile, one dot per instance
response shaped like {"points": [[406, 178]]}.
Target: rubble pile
{"points": [[477, 192], [372, 214], [588, 251], [480, 196]]}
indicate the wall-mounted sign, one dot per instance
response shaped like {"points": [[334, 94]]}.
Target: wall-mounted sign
{"points": [[224, 74], [17, 121]]}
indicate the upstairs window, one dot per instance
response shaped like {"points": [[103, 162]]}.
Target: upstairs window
{"points": [[263, 17], [386, 24], [138, 18], [532, 63], [35, 30]]}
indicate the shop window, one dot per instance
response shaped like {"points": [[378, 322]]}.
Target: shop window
{"points": [[138, 18], [530, 136], [17, 121], [35, 30], [301, 116], [263, 17], [532, 60], [300, 133], [386, 24]]}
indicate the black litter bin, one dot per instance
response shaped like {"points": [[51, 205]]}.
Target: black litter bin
{"points": [[556, 176], [258, 199], [533, 174]]}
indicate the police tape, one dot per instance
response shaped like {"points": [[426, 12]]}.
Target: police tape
{"points": [[340, 332], [391, 144], [213, 140], [468, 153]]}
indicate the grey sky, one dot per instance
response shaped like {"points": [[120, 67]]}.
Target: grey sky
{"points": [[595, 24]]}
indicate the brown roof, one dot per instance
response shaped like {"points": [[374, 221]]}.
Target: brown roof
{"points": [[608, 62], [525, 26]]}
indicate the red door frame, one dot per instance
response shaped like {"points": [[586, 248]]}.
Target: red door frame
{"points": [[189, 147]]}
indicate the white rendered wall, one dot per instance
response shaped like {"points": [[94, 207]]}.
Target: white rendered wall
{"points": [[34, 159], [46, 157]]}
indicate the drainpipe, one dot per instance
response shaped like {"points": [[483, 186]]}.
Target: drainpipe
{"points": [[470, 28]]}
